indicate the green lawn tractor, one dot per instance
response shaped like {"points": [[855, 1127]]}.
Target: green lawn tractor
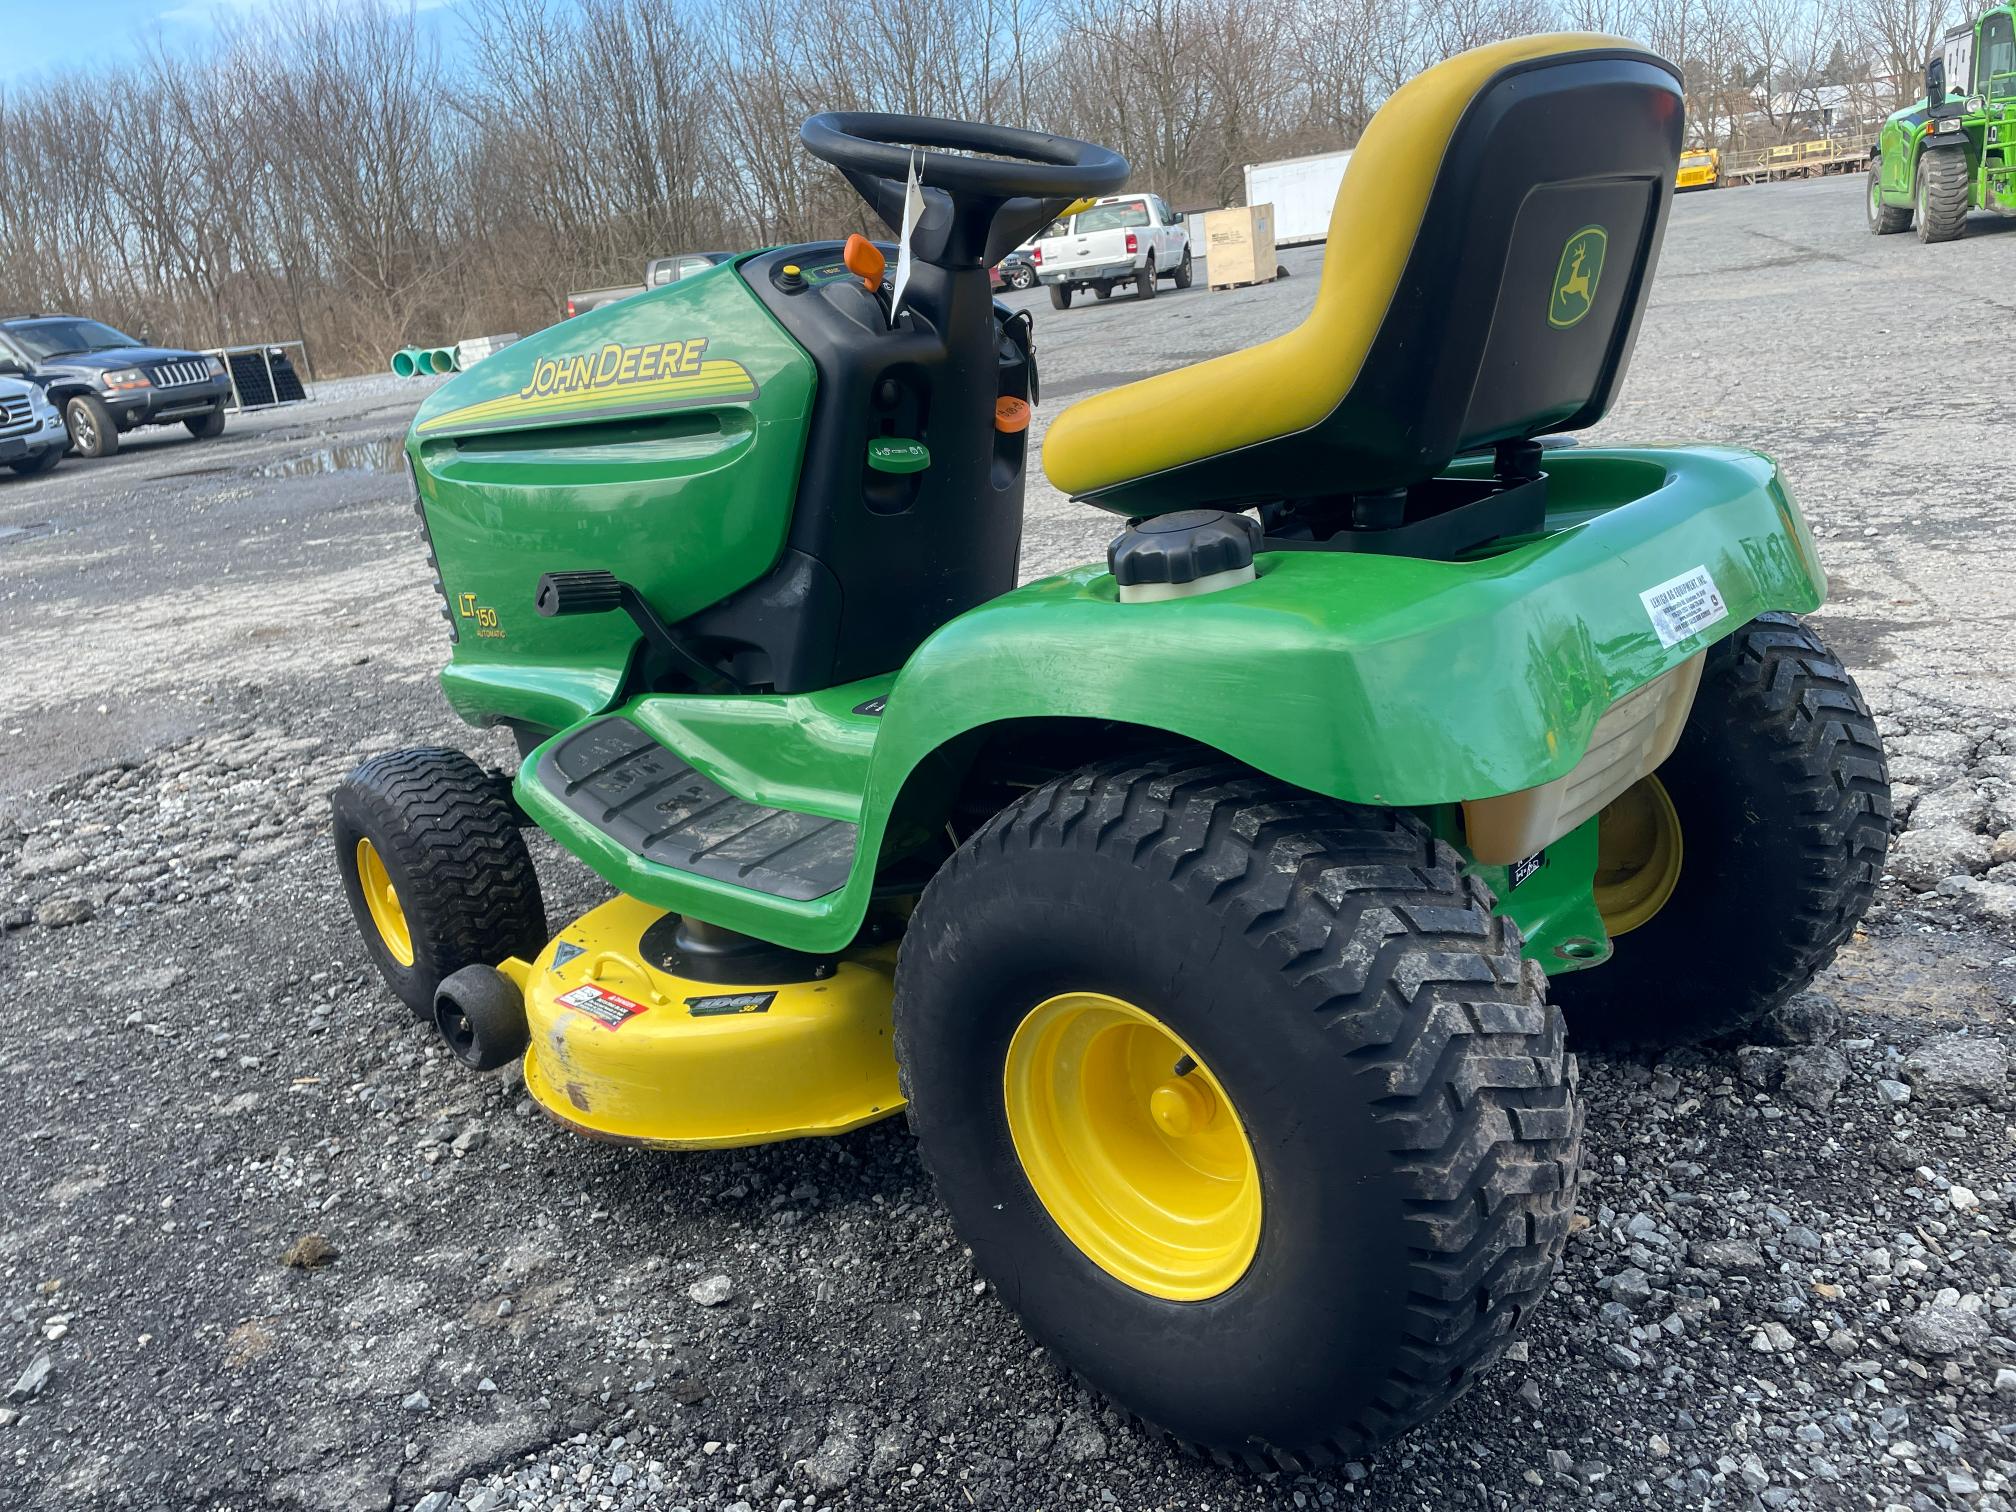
{"points": [[1212, 910], [1955, 150]]}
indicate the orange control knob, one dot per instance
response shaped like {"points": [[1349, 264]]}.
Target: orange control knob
{"points": [[1011, 414], [864, 260]]}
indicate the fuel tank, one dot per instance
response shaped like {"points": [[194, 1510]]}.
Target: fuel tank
{"points": [[659, 438]]}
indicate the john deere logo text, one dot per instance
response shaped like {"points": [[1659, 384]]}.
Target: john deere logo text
{"points": [[613, 367], [1575, 278], [612, 380]]}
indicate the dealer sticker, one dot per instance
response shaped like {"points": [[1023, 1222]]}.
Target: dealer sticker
{"points": [[1684, 606], [611, 1010], [1522, 871]]}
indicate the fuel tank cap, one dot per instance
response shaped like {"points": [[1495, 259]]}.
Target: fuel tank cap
{"points": [[1189, 552]]}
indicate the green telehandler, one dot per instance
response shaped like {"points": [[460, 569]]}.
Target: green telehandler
{"points": [[1955, 150], [1212, 910]]}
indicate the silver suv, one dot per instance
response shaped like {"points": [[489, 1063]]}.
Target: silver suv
{"points": [[32, 437]]}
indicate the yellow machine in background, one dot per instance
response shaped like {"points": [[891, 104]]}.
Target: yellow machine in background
{"points": [[1700, 168]]}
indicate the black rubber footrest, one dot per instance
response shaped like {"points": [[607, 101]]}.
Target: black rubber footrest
{"points": [[649, 801]]}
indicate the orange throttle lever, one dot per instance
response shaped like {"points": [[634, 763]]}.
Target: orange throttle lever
{"points": [[864, 260]]}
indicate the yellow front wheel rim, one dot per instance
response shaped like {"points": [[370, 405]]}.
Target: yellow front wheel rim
{"points": [[1132, 1146], [1638, 854], [388, 914]]}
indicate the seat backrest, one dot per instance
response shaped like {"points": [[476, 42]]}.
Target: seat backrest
{"points": [[1490, 252]]}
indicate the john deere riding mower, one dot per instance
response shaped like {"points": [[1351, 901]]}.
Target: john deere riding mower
{"points": [[1211, 909]]}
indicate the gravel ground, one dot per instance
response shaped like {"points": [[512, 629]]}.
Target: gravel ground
{"points": [[263, 1245]]}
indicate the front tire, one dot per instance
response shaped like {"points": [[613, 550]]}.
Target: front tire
{"points": [[1884, 220], [1344, 996], [93, 431], [1781, 801], [1942, 191], [42, 462], [207, 427], [436, 872]]}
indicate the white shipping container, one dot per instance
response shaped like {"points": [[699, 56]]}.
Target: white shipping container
{"points": [[1302, 191]]}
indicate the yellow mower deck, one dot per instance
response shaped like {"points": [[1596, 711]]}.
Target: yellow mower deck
{"points": [[623, 1050]]}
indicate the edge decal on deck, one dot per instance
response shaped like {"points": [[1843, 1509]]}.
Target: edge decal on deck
{"points": [[612, 380], [722, 1004]]}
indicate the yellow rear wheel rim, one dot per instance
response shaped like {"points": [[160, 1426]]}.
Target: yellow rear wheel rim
{"points": [[388, 914], [1638, 854], [1132, 1146]]}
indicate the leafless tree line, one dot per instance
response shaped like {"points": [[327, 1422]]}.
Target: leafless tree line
{"points": [[325, 173]]}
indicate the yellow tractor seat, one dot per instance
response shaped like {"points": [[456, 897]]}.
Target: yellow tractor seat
{"points": [[1489, 256]]}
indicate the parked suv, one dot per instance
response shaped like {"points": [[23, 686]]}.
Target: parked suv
{"points": [[106, 383], [1122, 239], [32, 438]]}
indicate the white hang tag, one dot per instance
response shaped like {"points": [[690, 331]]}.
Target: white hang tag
{"points": [[913, 209]]}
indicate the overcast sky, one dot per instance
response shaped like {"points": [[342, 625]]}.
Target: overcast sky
{"points": [[44, 37]]}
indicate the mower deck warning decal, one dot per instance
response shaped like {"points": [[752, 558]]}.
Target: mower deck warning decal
{"points": [[730, 1002], [1684, 605], [611, 1010]]}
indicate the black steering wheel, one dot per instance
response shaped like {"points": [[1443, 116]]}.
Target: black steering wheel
{"points": [[977, 209]]}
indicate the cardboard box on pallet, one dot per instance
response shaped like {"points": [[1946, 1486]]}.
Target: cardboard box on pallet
{"points": [[1239, 246]]}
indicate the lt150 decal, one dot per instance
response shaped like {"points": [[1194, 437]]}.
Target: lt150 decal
{"points": [[611, 380]]}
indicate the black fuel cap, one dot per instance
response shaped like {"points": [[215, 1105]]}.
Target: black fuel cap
{"points": [[1183, 547]]}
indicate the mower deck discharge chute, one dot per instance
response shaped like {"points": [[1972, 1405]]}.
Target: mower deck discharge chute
{"points": [[1219, 903]]}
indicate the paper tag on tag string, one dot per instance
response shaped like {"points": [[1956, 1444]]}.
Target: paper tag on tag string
{"points": [[913, 208]]}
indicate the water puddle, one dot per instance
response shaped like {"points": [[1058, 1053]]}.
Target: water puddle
{"points": [[387, 455]]}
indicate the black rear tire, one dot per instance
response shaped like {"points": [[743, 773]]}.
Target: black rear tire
{"points": [[449, 844], [1783, 800], [1185, 271], [1884, 220], [93, 431], [207, 427], [1060, 296], [1144, 281], [1943, 189], [1392, 1061]]}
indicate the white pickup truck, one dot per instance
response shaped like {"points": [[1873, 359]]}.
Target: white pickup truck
{"points": [[1122, 239]]}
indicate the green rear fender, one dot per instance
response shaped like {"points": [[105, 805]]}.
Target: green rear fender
{"points": [[1373, 679], [1380, 679]]}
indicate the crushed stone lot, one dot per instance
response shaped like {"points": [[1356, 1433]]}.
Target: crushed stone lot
{"points": [[262, 1243]]}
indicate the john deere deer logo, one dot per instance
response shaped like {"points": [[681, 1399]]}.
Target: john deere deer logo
{"points": [[1575, 277]]}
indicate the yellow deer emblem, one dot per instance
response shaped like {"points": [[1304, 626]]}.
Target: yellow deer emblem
{"points": [[1575, 276]]}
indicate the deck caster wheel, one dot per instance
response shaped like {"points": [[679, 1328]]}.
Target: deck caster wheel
{"points": [[437, 874], [480, 1015], [1729, 878], [1209, 1069]]}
